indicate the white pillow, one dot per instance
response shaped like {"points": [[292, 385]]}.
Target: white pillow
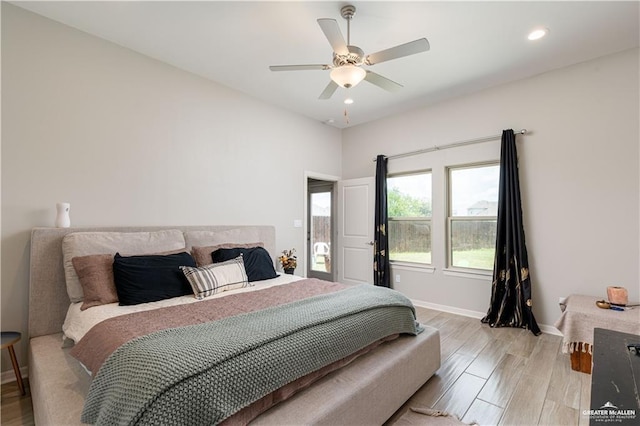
{"points": [[217, 277], [127, 243]]}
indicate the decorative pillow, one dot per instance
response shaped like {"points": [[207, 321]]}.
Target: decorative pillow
{"points": [[100, 242], [202, 255], [257, 261], [95, 273], [142, 279], [217, 277]]}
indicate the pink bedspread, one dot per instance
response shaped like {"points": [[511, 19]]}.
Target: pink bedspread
{"points": [[96, 346], [104, 338]]}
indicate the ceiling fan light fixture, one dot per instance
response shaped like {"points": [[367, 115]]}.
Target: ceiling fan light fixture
{"points": [[348, 75]]}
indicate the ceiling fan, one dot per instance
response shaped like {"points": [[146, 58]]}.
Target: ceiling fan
{"points": [[346, 70]]}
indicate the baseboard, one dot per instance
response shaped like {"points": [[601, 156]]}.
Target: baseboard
{"points": [[9, 376], [549, 329]]}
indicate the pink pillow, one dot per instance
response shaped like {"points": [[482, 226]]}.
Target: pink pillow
{"points": [[95, 273]]}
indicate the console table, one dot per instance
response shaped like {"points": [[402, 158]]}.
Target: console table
{"points": [[580, 316]]}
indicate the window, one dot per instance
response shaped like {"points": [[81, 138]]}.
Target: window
{"points": [[472, 219], [409, 204]]}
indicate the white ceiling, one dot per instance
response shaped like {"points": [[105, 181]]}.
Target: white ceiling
{"points": [[474, 45]]}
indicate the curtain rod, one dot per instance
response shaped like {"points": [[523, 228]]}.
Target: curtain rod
{"points": [[453, 145]]}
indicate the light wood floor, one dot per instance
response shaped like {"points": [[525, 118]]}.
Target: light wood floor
{"points": [[492, 376], [502, 376], [16, 409]]}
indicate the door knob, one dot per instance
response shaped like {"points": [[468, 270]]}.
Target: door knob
{"points": [[370, 243]]}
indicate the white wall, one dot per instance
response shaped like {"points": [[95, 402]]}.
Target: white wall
{"points": [[579, 171], [128, 140]]}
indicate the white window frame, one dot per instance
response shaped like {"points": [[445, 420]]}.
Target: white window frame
{"points": [[429, 219], [450, 268]]}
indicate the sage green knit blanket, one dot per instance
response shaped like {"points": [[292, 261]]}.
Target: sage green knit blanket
{"points": [[204, 373]]}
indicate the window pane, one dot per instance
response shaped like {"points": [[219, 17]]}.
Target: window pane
{"points": [[409, 195], [321, 231], [410, 241], [474, 191], [473, 243]]}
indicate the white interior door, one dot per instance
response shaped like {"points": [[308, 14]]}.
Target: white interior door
{"points": [[356, 204]]}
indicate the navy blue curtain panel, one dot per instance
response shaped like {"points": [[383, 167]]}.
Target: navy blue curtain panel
{"points": [[511, 304], [381, 268]]}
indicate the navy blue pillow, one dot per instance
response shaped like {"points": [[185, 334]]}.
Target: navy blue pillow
{"points": [[257, 261], [142, 279]]}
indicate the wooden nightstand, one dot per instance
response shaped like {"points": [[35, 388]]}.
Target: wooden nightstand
{"points": [[9, 338]]}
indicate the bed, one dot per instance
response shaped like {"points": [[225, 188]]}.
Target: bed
{"points": [[367, 390]]}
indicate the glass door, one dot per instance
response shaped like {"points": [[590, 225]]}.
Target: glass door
{"points": [[320, 229]]}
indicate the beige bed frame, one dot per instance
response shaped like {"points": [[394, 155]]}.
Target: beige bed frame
{"points": [[366, 392]]}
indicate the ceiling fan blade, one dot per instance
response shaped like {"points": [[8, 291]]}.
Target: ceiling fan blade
{"points": [[332, 32], [382, 82], [328, 91], [411, 48], [299, 67]]}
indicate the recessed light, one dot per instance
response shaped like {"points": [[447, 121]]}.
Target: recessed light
{"points": [[348, 101], [538, 33]]}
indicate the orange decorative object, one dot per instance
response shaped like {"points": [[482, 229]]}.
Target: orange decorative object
{"points": [[618, 295]]}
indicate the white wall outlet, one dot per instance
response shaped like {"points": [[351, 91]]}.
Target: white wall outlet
{"points": [[397, 278], [297, 223]]}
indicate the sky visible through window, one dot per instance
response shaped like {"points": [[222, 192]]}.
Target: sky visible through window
{"points": [[321, 204], [472, 185], [417, 186]]}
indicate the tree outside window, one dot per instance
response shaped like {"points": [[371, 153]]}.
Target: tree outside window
{"points": [[409, 208]]}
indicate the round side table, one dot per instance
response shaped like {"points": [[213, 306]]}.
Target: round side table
{"points": [[9, 338]]}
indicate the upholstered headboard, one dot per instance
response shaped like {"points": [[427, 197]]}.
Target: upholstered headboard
{"points": [[48, 299]]}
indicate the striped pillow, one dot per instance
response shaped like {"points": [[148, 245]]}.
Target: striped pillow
{"points": [[216, 278]]}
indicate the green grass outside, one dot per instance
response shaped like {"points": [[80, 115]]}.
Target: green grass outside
{"points": [[478, 259]]}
